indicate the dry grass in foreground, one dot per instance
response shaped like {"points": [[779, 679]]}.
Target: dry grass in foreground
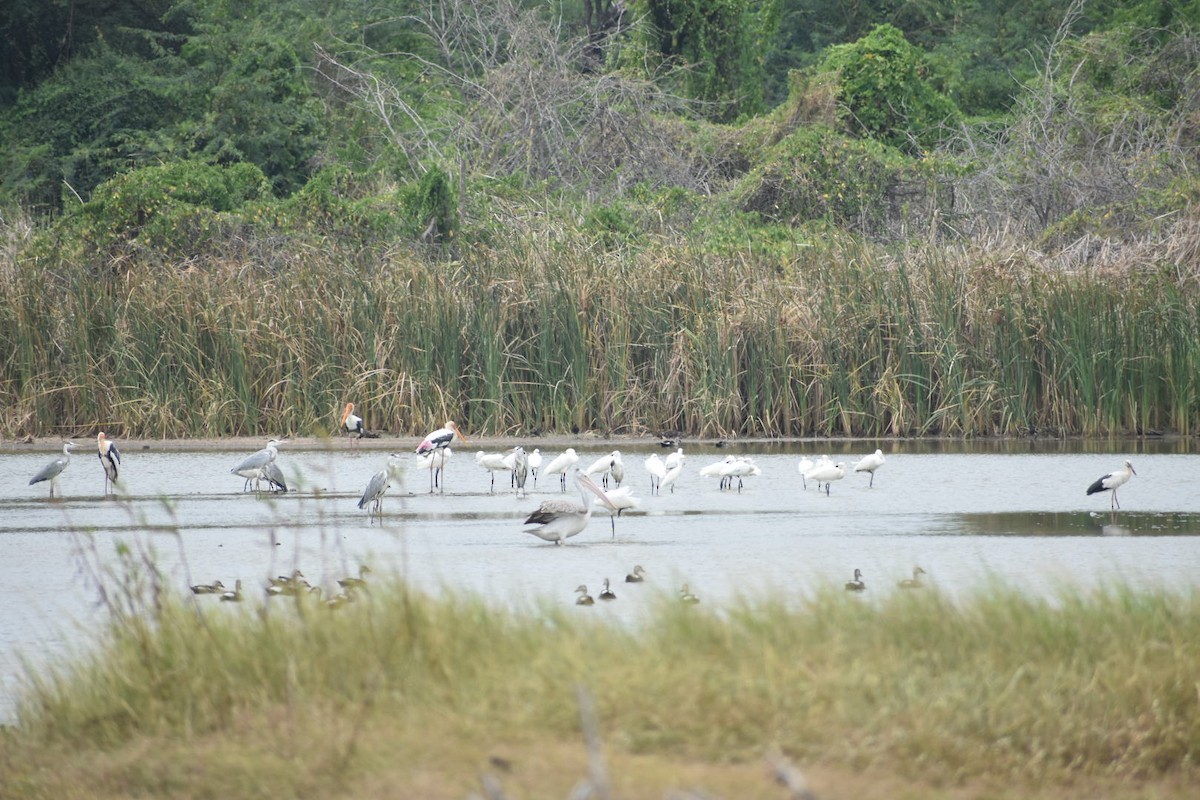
{"points": [[402, 695]]}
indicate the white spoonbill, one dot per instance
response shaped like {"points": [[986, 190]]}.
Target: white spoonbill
{"points": [[558, 520], [372, 498], [669, 479], [1111, 481], [561, 464], [870, 464], [674, 459], [741, 467], [110, 459], [657, 469], [252, 468], [439, 440], [51, 471], [714, 469], [620, 499], [804, 466], [493, 463], [535, 464], [826, 473], [608, 465]]}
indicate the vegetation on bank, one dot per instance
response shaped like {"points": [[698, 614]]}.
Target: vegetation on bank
{"points": [[998, 690], [951, 221]]}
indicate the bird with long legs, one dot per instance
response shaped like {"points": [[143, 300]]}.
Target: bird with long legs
{"points": [[273, 475], [620, 499], [561, 464], [558, 520], [110, 459], [674, 459], [493, 463], [608, 465], [520, 469], [535, 464], [352, 423], [804, 466], [51, 471], [252, 468], [439, 440], [826, 474], [657, 470], [372, 497], [1111, 482], [870, 463]]}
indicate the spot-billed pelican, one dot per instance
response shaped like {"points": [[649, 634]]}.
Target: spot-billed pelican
{"points": [[493, 463], [558, 520], [439, 440], [51, 471], [252, 468], [657, 470], [637, 576], [606, 593], [584, 598], [826, 473], [870, 464], [562, 464], [857, 584], [372, 498], [914, 582], [110, 459], [1111, 481]]}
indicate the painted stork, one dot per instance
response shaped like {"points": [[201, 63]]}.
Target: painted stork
{"points": [[439, 440], [110, 459]]}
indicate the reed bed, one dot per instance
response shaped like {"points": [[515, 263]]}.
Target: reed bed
{"points": [[546, 330], [199, 700]]}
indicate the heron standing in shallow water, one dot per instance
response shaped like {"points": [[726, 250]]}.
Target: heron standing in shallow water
{"points": [[372, 498], [51, 471], [255, 465]]}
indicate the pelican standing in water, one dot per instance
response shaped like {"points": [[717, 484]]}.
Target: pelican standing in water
{"points": [[51, 471], [437, 441], [558, 520], [110, 458], [562, 464], [372, 498], [252, 469], [1111, 481], [870, 464]]}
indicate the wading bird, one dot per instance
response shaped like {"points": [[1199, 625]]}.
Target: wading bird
{"points": [[826, 474], [493, 463], [669, 479], [620, 499], [714, 469], [372, 498], [637, 576], [914, 582], [1111, 481], [436, 441], [870, 464], [520, 469], [562, 464], [352, 423], [273, 475], [804, 466], [110, 458], [558, 520], [675, 459], [657, 470], [857, 584], [535, 464], [604, 466], [51, 471], [741, 467], [252, 469]]}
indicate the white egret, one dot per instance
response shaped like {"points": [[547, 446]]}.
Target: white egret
{"points": [[535, 464]]}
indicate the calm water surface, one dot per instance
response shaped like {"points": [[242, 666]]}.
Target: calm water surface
{"points": [[966, 513]]}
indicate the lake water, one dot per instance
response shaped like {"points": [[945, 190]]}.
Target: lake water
{"points": [[965, 512]]}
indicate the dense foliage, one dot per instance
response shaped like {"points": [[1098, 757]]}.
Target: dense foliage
{"points": [[503, 186]]}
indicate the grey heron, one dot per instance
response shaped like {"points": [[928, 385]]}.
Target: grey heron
{"points": [[376, 488], [252, 468], [51, 471]]}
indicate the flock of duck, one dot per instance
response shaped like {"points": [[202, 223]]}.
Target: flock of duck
{"points": [[294, 585], [637, 575]]}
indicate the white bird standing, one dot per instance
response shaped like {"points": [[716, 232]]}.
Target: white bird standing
{"points": [[714, 469], [561, 464], [739, 468], [670, 477], [439, 440], [351, 422], [110, 458], [558, 520], [252, 468], [826, 473], [657, 469], [1111, 481], [51, 471], [520, 469], [869, 464], [675, 459], [804, 466], [493, 463], [608, 465], [535, 464], [372, 498], [620, 499]]}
